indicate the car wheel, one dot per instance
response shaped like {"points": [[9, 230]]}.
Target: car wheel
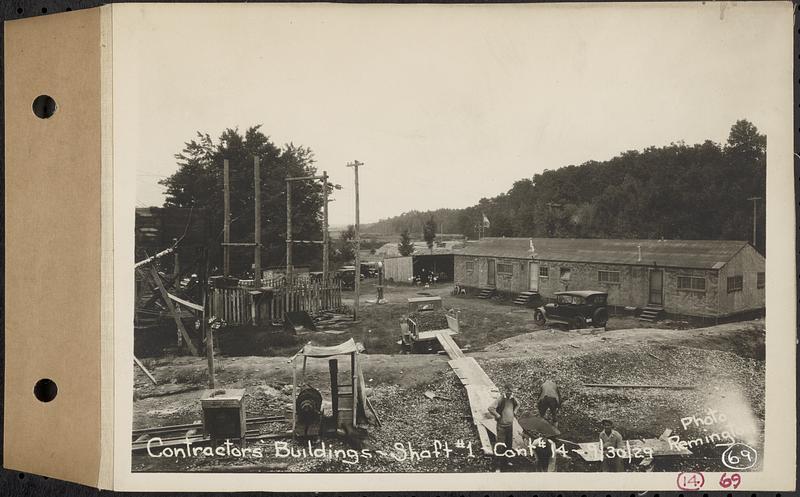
{"points": [[538, 317], [600, 317]]}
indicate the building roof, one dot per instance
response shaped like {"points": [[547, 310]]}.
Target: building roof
{"points": [[698, 254], [421, 248]]}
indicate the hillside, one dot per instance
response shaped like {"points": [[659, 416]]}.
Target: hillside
{"points": [[678, 191]]}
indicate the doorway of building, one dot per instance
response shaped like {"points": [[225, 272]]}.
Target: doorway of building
{"points": [[533, 277], [490, 273], [656, 287]]}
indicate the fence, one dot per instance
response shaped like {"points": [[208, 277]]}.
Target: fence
{"points": [[242, 305], [232, 305]]}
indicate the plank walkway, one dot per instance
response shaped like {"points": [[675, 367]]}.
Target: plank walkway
{"points": [[481, 392]]}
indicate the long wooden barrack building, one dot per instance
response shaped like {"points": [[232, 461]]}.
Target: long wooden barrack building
{"points": [[703, 278]]}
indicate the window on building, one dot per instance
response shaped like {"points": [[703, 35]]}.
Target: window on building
{"points": [[565, 273], [760, 279], [504, 268], [544, 272], [735, 283], [470, 266], [693, 283], [608, 276]]}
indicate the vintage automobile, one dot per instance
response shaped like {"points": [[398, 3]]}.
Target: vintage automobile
{"points": [[577, 309], [348, 276]]}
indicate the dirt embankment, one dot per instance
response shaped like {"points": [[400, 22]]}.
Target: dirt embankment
{"points": [[745, 339], [723, 363]]}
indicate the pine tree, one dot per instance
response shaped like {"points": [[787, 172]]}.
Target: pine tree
{"points": [[406, 247]]}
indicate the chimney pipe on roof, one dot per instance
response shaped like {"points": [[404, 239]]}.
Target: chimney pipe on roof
{"points": [[640, 252]]}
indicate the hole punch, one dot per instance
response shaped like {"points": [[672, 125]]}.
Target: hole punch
{"points": [[44, 10], [45, 390], [20, 10], [44, 106]]}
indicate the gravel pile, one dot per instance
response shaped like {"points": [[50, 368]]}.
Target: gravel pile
{"points": [[427, 321], [408, 417], [724, 382]]}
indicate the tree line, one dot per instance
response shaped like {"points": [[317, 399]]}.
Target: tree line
{"points": [[198, 183], [677, 191]]}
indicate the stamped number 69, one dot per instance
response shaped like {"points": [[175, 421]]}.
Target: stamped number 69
{"points": [[734, 480]]}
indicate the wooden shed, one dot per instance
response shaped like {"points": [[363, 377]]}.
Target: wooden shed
{"points": [[704, 278], [423, 261], [398, 269]]}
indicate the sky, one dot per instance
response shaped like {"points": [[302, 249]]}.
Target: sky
{"points": [[443, 104]]}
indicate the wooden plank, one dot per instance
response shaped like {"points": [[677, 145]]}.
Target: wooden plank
{"points": [[481, 392], [452, 323], [634, 385], [152, 258], [483, 436], [171, 308], [144, 370], [470, 372], [191, 305], [447, 342]]}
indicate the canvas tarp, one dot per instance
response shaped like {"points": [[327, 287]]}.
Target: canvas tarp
{"points": [[348, 347]]}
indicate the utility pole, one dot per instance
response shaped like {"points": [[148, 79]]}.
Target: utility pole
{"points": [[257, 247], [355, 165], [208, 331], [755, 212], [325, 254], [227, 230], [288, 232], [290, 241]]}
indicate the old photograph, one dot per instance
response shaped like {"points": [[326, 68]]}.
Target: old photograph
{"points": [[452, 239]]}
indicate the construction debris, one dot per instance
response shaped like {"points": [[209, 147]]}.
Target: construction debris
{"points": [[144, 370], [434, 395]]}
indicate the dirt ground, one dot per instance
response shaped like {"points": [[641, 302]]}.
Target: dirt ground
{"points": [[724, 364], [483, 322]]}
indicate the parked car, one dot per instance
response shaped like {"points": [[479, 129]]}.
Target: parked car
{"points": [[348, 276], [577, 309]]}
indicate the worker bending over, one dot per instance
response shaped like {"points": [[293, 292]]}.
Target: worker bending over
{"points": [[550, 400]]}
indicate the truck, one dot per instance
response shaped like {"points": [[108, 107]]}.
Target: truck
{"points": [[425, 319]]}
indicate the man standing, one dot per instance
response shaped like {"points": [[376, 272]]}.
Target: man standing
{"points": [[550, 399], [504, 410], [609, 437]]}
